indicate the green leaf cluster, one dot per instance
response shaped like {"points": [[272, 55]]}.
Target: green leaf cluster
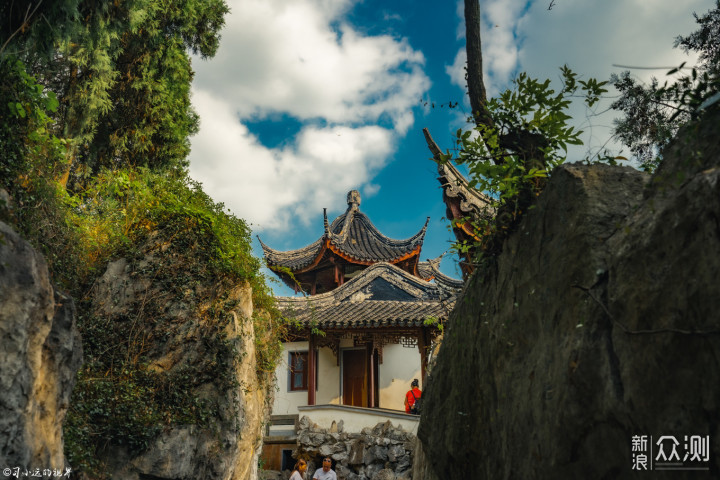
{"points": [[200, 253], [129, 98], [95, 117], [121, 73], [122, 207], [653, 113], [510, 159]]}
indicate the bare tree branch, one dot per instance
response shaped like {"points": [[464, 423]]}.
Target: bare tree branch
{"points": [[23, 26]]}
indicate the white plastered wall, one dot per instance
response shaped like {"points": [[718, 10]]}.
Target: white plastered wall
{"points": [[328, 390], [286, 402], [400, 365]]}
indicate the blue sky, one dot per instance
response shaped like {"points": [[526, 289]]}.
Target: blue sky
{"points": [[308, 99]]}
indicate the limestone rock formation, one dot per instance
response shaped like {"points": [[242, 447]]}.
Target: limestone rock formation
{"points": [[165, 311], [40, 353], [384, 452], [597, 323]]}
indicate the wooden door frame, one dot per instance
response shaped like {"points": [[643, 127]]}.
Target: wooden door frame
{"points": [[372, 390]]}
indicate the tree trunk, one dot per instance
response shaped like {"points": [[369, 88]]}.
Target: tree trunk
{"points": [[476, 86]]}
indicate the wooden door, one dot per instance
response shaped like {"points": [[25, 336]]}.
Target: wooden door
{"points": [[354, 374]]}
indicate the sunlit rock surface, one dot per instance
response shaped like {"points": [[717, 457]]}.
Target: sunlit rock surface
{"points": [[40, 352], [175, 335]]}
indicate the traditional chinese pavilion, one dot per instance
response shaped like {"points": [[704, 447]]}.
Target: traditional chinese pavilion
{"points": [[347, 247], [364, 329]]}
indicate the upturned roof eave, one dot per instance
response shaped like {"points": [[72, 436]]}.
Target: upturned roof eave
{"points": [[455, 185], [294, 260], [306, 258]]}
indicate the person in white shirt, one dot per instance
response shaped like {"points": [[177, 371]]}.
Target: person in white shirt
{"points": [[299, 470], [326, 472]]}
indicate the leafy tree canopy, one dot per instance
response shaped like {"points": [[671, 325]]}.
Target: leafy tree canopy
{"points": [[510, 156], [121, 72], [95, 117], [653, 113]]}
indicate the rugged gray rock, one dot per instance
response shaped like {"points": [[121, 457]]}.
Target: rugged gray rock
{"points": [[383, 452], [40, 353], [226, 448], [597, 323]]}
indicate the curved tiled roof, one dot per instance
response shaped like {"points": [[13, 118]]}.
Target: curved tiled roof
{"points": [[293, 259], [352, 236], [455, 185], [369, 314], [381, 296], [426, 270], [430, 270]]}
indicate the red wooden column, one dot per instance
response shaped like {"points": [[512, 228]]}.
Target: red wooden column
{"points": [[371, 376], [312, 368]]}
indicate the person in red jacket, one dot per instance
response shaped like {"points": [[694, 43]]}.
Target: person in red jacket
{"points": [[413, 394]]}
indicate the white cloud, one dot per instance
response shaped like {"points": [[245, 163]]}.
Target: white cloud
{"points": [[269, 187], [499, 43], [589, 36], [299, 57], [456, 71], [302, 60], [592, 36]]}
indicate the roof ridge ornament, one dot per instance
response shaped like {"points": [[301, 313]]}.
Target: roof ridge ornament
{"points": [[435, 262], [353, 198], [353, 201]]}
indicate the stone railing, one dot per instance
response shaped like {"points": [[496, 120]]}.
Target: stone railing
{"points": [[355, 419]]}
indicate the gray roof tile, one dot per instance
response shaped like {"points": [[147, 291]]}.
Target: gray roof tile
{"points": [[352, 235], [382, 296]]}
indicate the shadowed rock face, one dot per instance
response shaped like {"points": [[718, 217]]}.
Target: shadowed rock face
{"points": [[599, 321], [40, 353]]}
